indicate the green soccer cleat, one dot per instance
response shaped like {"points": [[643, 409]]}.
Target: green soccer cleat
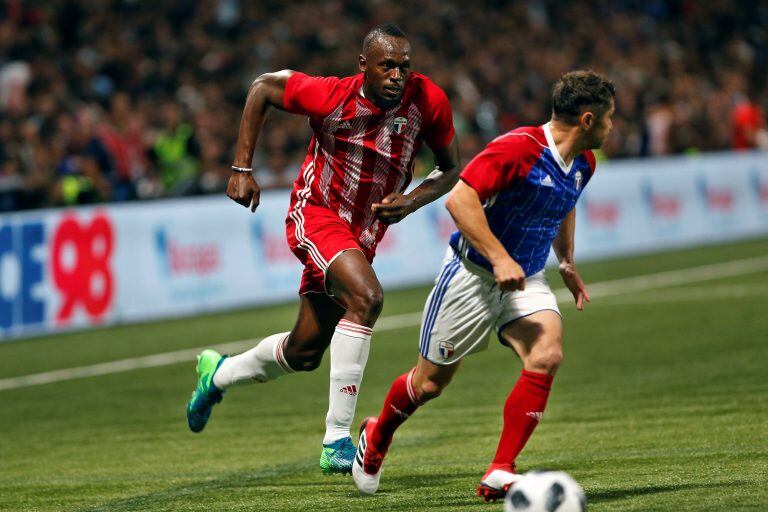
{"points": [[337, 457], [205, 395]]}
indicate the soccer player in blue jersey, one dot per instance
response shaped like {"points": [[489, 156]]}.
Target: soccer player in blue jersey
{"points": [[513, 202]]}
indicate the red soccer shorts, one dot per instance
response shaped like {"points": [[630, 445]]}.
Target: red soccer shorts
{"points": [[317, 235]]}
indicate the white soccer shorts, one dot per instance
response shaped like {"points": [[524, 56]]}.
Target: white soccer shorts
{"points": [[466, 303]]}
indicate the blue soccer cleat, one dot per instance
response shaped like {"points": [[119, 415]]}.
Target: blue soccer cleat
{"points": [[205, 395], [337, 457]]}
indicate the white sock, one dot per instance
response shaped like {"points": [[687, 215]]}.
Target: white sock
{"points": [[349, 353], [262, 363]]}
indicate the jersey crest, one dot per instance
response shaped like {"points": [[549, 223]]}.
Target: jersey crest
{"points": [[399, 124]]}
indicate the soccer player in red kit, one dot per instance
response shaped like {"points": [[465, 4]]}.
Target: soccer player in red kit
{"points": [[367, 128]]}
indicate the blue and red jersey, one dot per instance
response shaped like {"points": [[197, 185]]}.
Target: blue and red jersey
{"points": [[527, 190]]}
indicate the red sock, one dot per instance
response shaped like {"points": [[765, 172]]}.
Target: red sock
{"points": [[522, 412], [398, 406]]}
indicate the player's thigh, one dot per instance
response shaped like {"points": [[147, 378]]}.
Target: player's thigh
{"points": [[315, 324], [537, 339], [541, 328], [458, 315], [351, 278], [530, 318]]}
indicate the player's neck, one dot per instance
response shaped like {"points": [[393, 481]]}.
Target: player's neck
{"points": [[566, 138]]}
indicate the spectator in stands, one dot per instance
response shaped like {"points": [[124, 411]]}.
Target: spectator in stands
{"points": [[175, 152], [749, 127], [173, 75], [82, 174]]}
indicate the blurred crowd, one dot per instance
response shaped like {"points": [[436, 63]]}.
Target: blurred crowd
{"points": [[131, 99]]}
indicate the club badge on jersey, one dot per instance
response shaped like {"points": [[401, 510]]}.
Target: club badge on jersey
{"points": [[577, 178], [400, 123]]}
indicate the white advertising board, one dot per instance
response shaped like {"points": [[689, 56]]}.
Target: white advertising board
{"points": [[95, 266]]}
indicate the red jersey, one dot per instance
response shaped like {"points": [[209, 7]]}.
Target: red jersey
{"points": [[359, 153]]}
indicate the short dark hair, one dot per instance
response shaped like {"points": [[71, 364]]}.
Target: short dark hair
{"points": [[385, 29], [580, 90]]}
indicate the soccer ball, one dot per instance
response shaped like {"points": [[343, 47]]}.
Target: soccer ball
{"points": [[545, 491]]}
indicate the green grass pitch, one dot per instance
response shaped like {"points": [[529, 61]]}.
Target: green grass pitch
{"points": [[661, 405]]}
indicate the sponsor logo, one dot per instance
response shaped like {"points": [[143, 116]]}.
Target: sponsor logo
{"points": [[72, 256], [186, 259], [270, 246], [602, 213], [719, 199], [351, 390], [399, 412], [535, 415], [446, 349], [546, 181], [666, 206], [578, 178]]}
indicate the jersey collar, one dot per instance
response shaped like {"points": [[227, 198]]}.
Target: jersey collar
{"points": [[553, 149]]}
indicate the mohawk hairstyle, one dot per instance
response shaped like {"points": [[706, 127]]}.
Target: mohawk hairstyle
{"points": [[385, 29], [579, 90]]}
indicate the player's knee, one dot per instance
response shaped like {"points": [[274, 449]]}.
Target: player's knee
{"points": [[548, 360], [303, 360], [368, 303], [428, 390]]}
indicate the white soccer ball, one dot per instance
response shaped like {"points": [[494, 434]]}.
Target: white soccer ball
{"points": [[545, 491]]}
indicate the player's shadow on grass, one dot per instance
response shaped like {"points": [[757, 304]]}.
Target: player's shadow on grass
{"points": [[617, 494]]}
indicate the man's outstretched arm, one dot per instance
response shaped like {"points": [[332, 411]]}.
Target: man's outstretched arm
{"points": [[266, 91], [395, 207], [563, 247]]}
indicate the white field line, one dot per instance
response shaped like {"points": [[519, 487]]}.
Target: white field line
{"points": [[671, 278], [693, 294], [597, 290]]}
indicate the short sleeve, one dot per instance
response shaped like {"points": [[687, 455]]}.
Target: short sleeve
{"points": [[439, 131], [495, 168], [309, 95]]}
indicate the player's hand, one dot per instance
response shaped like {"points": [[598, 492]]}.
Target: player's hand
{"points": [[393, 208], [243, 189], [509, 275], [574, 283]]}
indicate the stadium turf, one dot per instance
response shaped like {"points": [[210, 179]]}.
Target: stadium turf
{"points": [[661, 405]]}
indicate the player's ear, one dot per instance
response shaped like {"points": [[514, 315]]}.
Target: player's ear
{"points": [[362, 63], [587, 118]]}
